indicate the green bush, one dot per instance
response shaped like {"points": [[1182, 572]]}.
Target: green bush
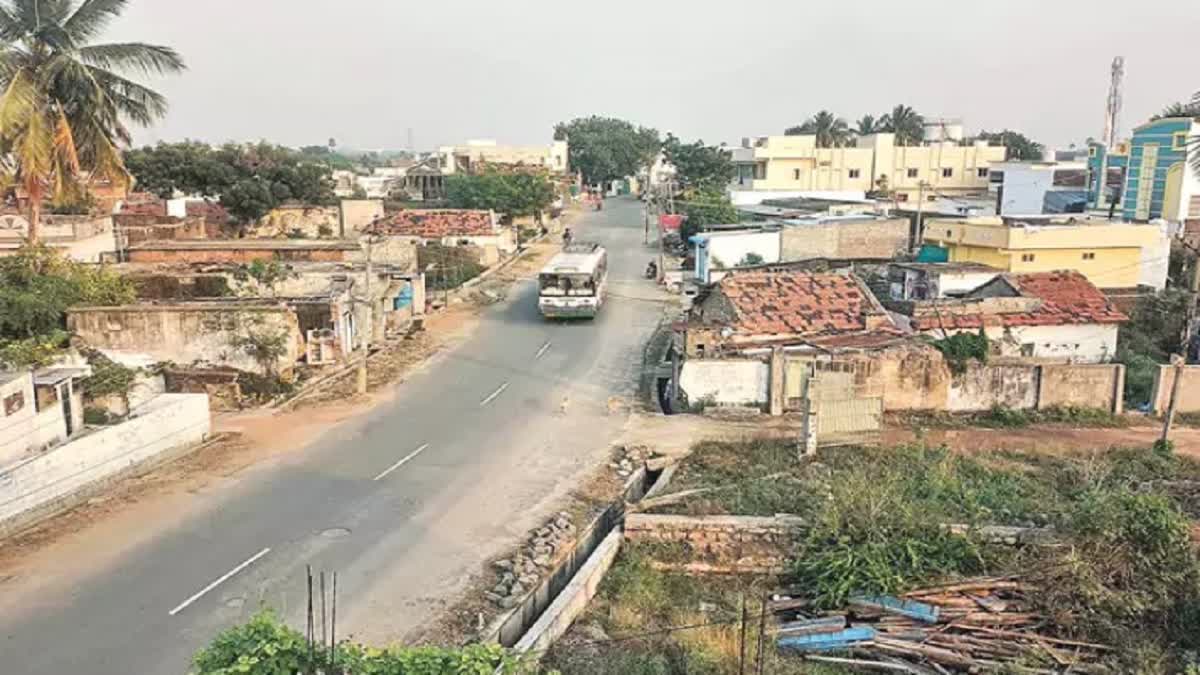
{"points": [[961, 348], [265, 646]]}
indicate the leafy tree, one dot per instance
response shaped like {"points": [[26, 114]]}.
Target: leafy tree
{"points": [[867, 125], [698, 165], [514, 194], [249, 199], [1019, 146], [1178, 109], [831, 131], [903, 121], [66, 102], [750, 259], [605, 148], [705, 206]]}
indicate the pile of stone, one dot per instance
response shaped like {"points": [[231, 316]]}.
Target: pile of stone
{"points": [[521, 573], [628, 459]]}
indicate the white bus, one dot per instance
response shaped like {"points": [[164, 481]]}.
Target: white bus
{"points": [[573, 283]]}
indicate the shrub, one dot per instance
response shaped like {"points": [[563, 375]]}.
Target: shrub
{"points": [[961, 348]]}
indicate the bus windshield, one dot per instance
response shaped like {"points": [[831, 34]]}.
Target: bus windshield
{"points": [[567, 284]]}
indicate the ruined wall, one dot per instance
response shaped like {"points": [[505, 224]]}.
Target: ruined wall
{"points": [[727, 544], [916, 377], [308, 222], [137, 229], [358, 213], [189, 333], [984, 386], [1081, 385], [1188, 399], [235, 254], [219, 384]]}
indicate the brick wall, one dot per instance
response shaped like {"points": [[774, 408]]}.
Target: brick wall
{"points": [[725, 544], [1188, 399], [880, 239]]}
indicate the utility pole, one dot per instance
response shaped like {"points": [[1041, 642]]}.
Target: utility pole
{"points": [[919, 230], [1180, 360], [366, 345]]}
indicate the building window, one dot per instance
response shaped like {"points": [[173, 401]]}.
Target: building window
{"points": [[1092, 151], [1027, 257], [947, 173], [931, 198], [854, 173], [1179, 140], [912, 173], [1089, 256], [795, 174], [982, 173], [949, 233], [902, 197], [13, 403]]}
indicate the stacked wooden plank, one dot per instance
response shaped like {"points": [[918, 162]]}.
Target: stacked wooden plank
{"points": [[976, 625]]}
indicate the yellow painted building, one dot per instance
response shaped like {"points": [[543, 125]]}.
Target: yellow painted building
{"points": [[1109, 254], [795, 163]]}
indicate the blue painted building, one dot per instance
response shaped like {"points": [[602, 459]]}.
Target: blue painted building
{"points": [[1106, 173], [1160, 183]]}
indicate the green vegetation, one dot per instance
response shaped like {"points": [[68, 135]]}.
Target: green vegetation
{"points": [[448, 267], [265, 646], [1122, 570], [605, 148], [705, 206], [1002, 417], [512, 194], [1149, 338], [831, 131], [698, 165], [263, 345], [37, 286], [646, 621], [960, 349], [67, 100], [265, 273], [1019, 147], [250, 179]]}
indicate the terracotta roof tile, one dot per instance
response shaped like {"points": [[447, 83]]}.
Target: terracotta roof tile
{"points": [[797, 303], [1067, 298], [437, 223]]}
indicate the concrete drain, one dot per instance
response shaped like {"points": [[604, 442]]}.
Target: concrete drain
{"points": [[336, 532]]}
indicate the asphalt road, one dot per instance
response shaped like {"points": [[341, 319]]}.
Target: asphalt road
{"points": [[404, 502]]}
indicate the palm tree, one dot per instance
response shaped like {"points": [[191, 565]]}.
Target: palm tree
{"points": [[867, 125], [1178, 109], [66, 102], [831, 131], [903, 121]]}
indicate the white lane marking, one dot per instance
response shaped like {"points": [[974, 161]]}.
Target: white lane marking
{"points": [[493, 395], [225, 577], [542, 351], [399, 464]]}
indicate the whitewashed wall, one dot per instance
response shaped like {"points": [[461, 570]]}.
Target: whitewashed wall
{"points": [[725, 382], [164, 424]]}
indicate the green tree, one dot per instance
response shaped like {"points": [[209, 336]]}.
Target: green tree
{"points": [[513, 194], [37, 286], [249, 200], [1019, 146], [698, 165], [867, 125], [705, 206], [605, 148], [903, 121], [66, 102], [831, 131]]}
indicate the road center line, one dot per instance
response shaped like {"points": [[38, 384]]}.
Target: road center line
{"points": [[542, 351], [399, 464], [493, 395], [225, 577]]}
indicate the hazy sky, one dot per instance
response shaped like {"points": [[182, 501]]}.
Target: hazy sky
{"points": [[365, 71]]}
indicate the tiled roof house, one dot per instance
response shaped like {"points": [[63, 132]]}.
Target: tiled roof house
{"points": [[773, 307], [438, 223], [1058, 316]]}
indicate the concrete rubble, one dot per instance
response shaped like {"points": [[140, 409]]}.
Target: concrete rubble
{"points": [[522, 572]]}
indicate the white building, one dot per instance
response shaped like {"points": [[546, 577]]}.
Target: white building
{"points": [[1036, 188], [718, 252]]}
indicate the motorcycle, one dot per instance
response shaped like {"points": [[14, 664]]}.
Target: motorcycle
{"points": [[652, 270]]}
